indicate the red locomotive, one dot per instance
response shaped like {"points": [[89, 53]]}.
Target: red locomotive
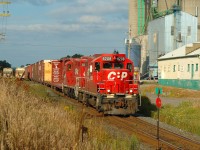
{"points": [[104, 81]]}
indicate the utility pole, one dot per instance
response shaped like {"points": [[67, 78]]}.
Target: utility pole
{"points": [[129, 43], [3, 14]]}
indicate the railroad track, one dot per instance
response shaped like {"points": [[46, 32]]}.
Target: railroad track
{"points": [[147, 133]]}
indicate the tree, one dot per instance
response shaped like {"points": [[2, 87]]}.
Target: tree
{"points": [[4, 64], [73, 56], [77, 55]]}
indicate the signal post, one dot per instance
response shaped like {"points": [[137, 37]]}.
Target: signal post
{"points": [[158, 105]]}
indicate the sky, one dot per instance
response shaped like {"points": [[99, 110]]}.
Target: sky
{"points": [[52, 29]]}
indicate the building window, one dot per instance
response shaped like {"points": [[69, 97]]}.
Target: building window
{"points": [[189, 31], [182, 69], [197, 67], [188, 69], [168, 68], [174, 69]]}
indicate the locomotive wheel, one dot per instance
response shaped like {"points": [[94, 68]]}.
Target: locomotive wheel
{"points": [[80, 97], [86, 104], [98, 101], [84, 100]]}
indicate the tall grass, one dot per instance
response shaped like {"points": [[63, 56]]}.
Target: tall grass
{"points": [[168, 91], [29, 122], [185, 116]]}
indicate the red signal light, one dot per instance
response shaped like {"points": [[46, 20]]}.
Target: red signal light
{"points": [[158, 102]]}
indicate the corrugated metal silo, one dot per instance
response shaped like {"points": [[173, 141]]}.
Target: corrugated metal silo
{"points": [[135, 54], [190, 6]]}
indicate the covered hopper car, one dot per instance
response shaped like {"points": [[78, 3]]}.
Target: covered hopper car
{"points": [[7, 72], [20, 73]]}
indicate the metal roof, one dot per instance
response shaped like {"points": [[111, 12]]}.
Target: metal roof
{"points": [[180, 52]]}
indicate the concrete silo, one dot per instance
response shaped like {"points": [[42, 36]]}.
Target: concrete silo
{"points": [[139, 11], [137, 15]]}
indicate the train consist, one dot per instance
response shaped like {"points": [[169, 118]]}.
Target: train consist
{"points": [[103, 81]]}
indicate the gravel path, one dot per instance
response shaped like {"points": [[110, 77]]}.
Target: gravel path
{"points": [[170, 100]]}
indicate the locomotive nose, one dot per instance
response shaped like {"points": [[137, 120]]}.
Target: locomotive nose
{"points": [[116, 81]]}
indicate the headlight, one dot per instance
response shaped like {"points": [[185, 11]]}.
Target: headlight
{"points": [[108, 91], [131, 90]]}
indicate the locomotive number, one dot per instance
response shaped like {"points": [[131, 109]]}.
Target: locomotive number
{"points": [[120, 58], [112, 75], [107, 58]]}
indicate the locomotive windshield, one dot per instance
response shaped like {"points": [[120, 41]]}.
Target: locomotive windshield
{"points": [[107, 65], [118, 65], [110, 65]]}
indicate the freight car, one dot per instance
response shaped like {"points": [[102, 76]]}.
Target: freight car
{"points": [[103, 81], [7, 72], [20, 73]]}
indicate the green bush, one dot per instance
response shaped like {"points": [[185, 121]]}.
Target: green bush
{"points": [[147, 107]]}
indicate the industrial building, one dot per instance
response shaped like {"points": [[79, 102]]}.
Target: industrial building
{"points": [[189, 6], [173, 22], [168, 33], [180, 68]]}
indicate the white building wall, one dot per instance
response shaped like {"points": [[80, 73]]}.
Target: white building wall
{"points": [[166, 68]]}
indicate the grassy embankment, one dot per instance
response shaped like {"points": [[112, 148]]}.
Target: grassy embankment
{"points": [[185, 116], [35, 122]]}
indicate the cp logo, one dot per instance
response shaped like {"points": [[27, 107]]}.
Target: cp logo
{"points": [[112, 75]]}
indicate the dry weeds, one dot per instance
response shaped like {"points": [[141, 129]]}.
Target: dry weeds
{"points": [[27, 122]]}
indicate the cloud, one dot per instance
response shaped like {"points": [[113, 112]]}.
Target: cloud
{"points": [[76, 16], [95, 25], [45, 27], [96, 14], [74, 2], [91, 19], [90, 7], [36, 2]]}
